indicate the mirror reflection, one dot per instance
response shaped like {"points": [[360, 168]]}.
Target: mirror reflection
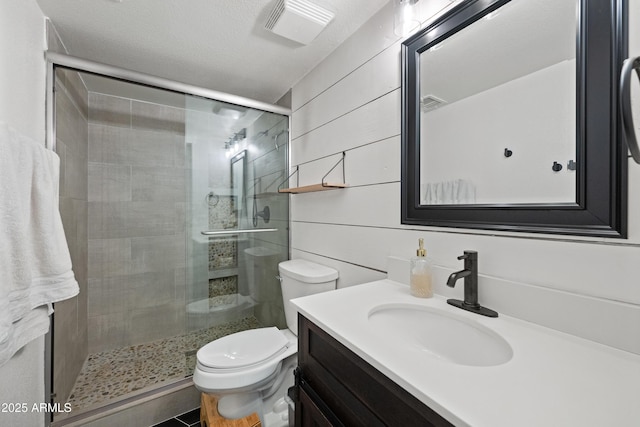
{"points": [[238, 185], [498, 108]]}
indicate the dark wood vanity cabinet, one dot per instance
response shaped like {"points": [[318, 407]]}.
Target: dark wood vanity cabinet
{"points": [[335, 387]]}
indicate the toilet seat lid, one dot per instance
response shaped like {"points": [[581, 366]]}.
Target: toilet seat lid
{"points": [[242, 348]]}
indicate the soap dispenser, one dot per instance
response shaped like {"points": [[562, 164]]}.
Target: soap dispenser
{"points": [[420, 283]]}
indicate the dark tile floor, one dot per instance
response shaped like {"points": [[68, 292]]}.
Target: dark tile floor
{"points": [[191, 419]]}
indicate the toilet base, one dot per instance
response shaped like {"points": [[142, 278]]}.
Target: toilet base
{"points": [[209, 416]]}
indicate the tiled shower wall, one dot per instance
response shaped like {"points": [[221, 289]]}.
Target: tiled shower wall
{"points": [[70, 329], [136, 222]]}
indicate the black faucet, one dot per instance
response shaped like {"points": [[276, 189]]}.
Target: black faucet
{"points": [[470, 274]]}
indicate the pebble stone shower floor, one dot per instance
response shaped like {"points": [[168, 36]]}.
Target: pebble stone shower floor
{"points": [[116, 373]]}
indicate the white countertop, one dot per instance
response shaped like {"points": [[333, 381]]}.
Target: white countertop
{"points": [[553, 379]]}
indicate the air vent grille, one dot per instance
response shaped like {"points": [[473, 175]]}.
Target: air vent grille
{"points": [[298, 20], [275, 14], [310, 10], [431, 102]]}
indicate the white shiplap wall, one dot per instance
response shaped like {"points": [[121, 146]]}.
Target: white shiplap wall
{"points": [[351, 102]]}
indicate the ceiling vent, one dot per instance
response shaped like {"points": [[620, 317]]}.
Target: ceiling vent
{"points": [[298, 20], [430, 102]]}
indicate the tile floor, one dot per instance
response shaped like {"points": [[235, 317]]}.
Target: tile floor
{"points": [[191, 419], [115, 373]]}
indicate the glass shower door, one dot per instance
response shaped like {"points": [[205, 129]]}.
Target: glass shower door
{"points": [[175, 228], [237, 220]]}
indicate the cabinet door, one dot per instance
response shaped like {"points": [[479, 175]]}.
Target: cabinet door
{"points": [[309, 414]]}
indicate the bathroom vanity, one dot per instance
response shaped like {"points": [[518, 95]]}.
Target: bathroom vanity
{"points": [[338, 387], [374, 355]]}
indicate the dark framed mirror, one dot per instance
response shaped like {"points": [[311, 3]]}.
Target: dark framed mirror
{"points": [[238, 181], [510, 118]]}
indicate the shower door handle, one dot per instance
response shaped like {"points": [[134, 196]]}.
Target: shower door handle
{"points": [[231, 232], [628, 66]]}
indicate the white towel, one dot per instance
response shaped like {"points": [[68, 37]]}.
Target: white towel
{"points": [[466, 192], [454, 192], [35, 265], [429, 196]]}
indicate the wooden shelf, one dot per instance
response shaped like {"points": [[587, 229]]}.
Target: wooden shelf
{"points": [[312, 188], [323, 186]]}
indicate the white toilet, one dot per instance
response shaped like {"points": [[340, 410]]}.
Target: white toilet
{"points": [[251, 370]]}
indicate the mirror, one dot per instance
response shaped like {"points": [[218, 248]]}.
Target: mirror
{"points": [[238, 185], [510, 121]]}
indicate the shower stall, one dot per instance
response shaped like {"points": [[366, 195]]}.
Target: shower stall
{"points": [[171, 210]]}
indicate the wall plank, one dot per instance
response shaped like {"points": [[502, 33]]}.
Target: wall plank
{"points": [[352, 103]]}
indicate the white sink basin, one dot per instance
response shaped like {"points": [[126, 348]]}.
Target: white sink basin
{"points": [[440, 333]]}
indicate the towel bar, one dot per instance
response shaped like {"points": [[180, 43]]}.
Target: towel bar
{"points": [[230, 232]]}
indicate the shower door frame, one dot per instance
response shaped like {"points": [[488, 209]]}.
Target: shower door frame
{"points": [[82, 65]]}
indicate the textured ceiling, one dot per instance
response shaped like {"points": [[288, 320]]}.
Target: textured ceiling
{"points": [[216, 44]]}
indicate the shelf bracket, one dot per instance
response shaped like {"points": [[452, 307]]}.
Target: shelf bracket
{"points": [[324, 183], [289, 177]]}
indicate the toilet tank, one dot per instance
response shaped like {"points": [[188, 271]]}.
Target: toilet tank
{"points": [[299, 277]]}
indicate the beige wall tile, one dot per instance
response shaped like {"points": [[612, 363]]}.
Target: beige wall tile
{"points": [[107, 331], [158, 183], [109, 110], [123, 294], [75, 175], [71, 126], [150, 148], [152, 323], [109, 182], [149, 254], [77, 92], [131, 219], [157, 117], [109, 257], [108, 144], [70, 338]]}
